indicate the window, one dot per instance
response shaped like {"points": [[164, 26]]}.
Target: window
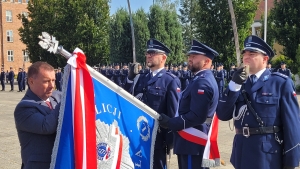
{"points": [[10, 55], [26, 1], [20, 1], [11, 1], [25, 56], [9, 35], [8, 16]]}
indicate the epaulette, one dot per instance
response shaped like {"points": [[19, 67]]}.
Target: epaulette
{"points": [[280, 74], [202, 75], [171, 74]]}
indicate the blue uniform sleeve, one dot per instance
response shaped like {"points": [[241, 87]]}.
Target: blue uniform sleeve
{"points": [[226, 104], [200, 99], [289, 110], [173, 97]]}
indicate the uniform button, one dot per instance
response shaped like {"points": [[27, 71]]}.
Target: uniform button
{"points": [[275, 151], [267, 101], [157, 93], [246, 124], [248, 113]]}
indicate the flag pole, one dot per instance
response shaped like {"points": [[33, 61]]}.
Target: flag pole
{"points": [[266, 19], [132, 33]]}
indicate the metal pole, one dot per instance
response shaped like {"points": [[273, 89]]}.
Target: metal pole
{"points": [[235, 33], [266, 18], [132, 33]]}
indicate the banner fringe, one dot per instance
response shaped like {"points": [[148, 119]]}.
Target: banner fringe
{"points": [[65, 81], [210, 162]]}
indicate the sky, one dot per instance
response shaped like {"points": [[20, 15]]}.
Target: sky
{"points": [[134, 4]]}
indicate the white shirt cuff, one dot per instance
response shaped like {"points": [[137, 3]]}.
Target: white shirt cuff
{"points": [[234, 87]]}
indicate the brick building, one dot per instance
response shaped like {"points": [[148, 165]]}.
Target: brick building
{"points": [[12, 50]]}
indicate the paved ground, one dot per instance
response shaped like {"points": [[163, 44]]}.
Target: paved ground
{"points": [[10, 149]]}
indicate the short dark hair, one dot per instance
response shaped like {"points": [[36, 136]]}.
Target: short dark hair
{"points": [[35, 68]]}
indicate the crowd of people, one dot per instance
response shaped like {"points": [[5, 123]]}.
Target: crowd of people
{"points": [[262, 103]]}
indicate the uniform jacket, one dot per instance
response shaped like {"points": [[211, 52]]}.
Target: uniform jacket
{"points": [[286, 72], [36, 126], [2, 75], [275, 102], [198, 102], [161, 93], [220, 77], [11, 76], [20, 77], [184, 79], [116, 77]]}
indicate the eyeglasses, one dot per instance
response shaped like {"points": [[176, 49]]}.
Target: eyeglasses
{"points": [[153, 53]]}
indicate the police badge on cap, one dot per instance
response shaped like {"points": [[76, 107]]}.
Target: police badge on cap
{"points": [[157, 46], [255, 44], [202, 49]]}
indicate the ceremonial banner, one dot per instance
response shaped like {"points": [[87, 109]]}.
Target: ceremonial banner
{"points": [[100, 124]]}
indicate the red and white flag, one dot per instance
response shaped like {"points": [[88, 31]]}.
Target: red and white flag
{"points": [[211, 156]]}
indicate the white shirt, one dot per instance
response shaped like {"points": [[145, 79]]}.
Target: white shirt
{"points": [[237, 87]]}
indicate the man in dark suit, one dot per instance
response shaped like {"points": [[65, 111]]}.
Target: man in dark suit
{"points": [[2, 79], [20, 79], [24, 79], [265, 110], [58, 79], [11, 79], [197, 106], [36, 117], [284, 70], [158, 89]]}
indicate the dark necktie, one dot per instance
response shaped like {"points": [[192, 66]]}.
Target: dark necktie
{"points": [[253, 79], [49, 104]]}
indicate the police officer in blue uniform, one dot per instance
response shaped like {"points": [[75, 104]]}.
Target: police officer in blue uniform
{"points": [[265, 110], [220, 78], [197, 106], [2, 79], [284, 70], [185, 76], [124, 74], [116, 76], [20, 80], [158, 89], [11, 78], [176, 72], [269, 67], [231, 71]]}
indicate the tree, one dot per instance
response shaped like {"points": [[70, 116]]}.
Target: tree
{"points": [[285, 17], [213, 25], [142, 34], [120, 37], [74, 23], [164, 26]]}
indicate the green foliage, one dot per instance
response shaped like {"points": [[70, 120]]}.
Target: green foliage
{"points": [[120, 37], [281, 58], [210, 23], [165, 27], [74, 23], [142, 34], [285, 17]]}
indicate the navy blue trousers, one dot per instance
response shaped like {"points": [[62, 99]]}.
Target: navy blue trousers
{"points": [[189, 162]]}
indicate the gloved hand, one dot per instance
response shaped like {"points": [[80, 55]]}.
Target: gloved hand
{"points": [[240, 76], [163, 120], [286, 167], [133, 70]]}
